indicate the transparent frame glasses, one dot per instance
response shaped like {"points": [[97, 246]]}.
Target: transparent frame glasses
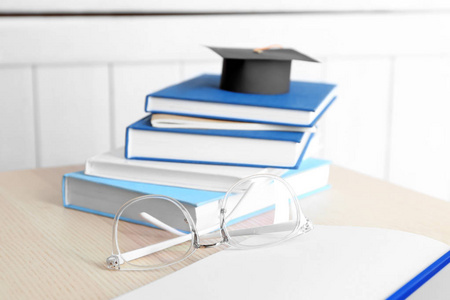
{"points": [[120, 260]]}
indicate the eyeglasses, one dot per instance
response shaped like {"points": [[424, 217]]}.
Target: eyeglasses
{"points": [[155, 231]]}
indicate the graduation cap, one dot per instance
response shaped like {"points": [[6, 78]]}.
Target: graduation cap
{"points": [[258, 71]]}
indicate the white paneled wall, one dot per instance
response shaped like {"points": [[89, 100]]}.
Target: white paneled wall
{"points": [[73, 113], [420, 139], [194, 68], [17, 134], [357, 127], [79, 83]]}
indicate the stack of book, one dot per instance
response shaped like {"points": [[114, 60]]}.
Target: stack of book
{"points": [[198, 140]]}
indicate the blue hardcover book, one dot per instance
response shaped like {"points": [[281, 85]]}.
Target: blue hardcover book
{"points": [[210, 146], [202, 97], [104, 196]]}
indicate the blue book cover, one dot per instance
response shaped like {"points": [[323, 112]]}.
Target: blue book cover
{"points": [[290, 136], [304, 96]]}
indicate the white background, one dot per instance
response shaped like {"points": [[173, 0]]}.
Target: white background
{"points": [[70, 84]]}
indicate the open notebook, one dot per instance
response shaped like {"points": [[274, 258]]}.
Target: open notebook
{"points": [[330, 262]]}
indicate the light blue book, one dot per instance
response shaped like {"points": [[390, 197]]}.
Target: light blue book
{"points": [[251, 148], [104, 196], [201, 96]]}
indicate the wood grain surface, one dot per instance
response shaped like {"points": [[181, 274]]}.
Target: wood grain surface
{"points": [[48, 251]]}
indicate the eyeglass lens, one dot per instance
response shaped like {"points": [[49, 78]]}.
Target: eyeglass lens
{"points": [[259, 212], [137, 236]]}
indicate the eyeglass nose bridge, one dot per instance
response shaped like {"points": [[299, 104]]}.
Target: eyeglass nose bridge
{"points": [[197, 244], [203, 246]]}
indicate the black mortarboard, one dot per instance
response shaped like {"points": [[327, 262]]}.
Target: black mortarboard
{"points": [[257, 71]]}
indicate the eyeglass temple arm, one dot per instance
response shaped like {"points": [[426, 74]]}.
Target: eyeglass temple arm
{"points": [[286, 226], [152, 220], [138, 253], [206, 234], [141, 252]]}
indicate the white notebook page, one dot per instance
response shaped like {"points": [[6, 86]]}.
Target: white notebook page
{"points": [[330, 262]]}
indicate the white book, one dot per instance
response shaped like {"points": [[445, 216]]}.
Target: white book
{"points": [[279, 149], [328, 262], [114, 165]]}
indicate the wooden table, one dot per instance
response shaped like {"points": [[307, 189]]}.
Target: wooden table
{"points": [[50, 251]]}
